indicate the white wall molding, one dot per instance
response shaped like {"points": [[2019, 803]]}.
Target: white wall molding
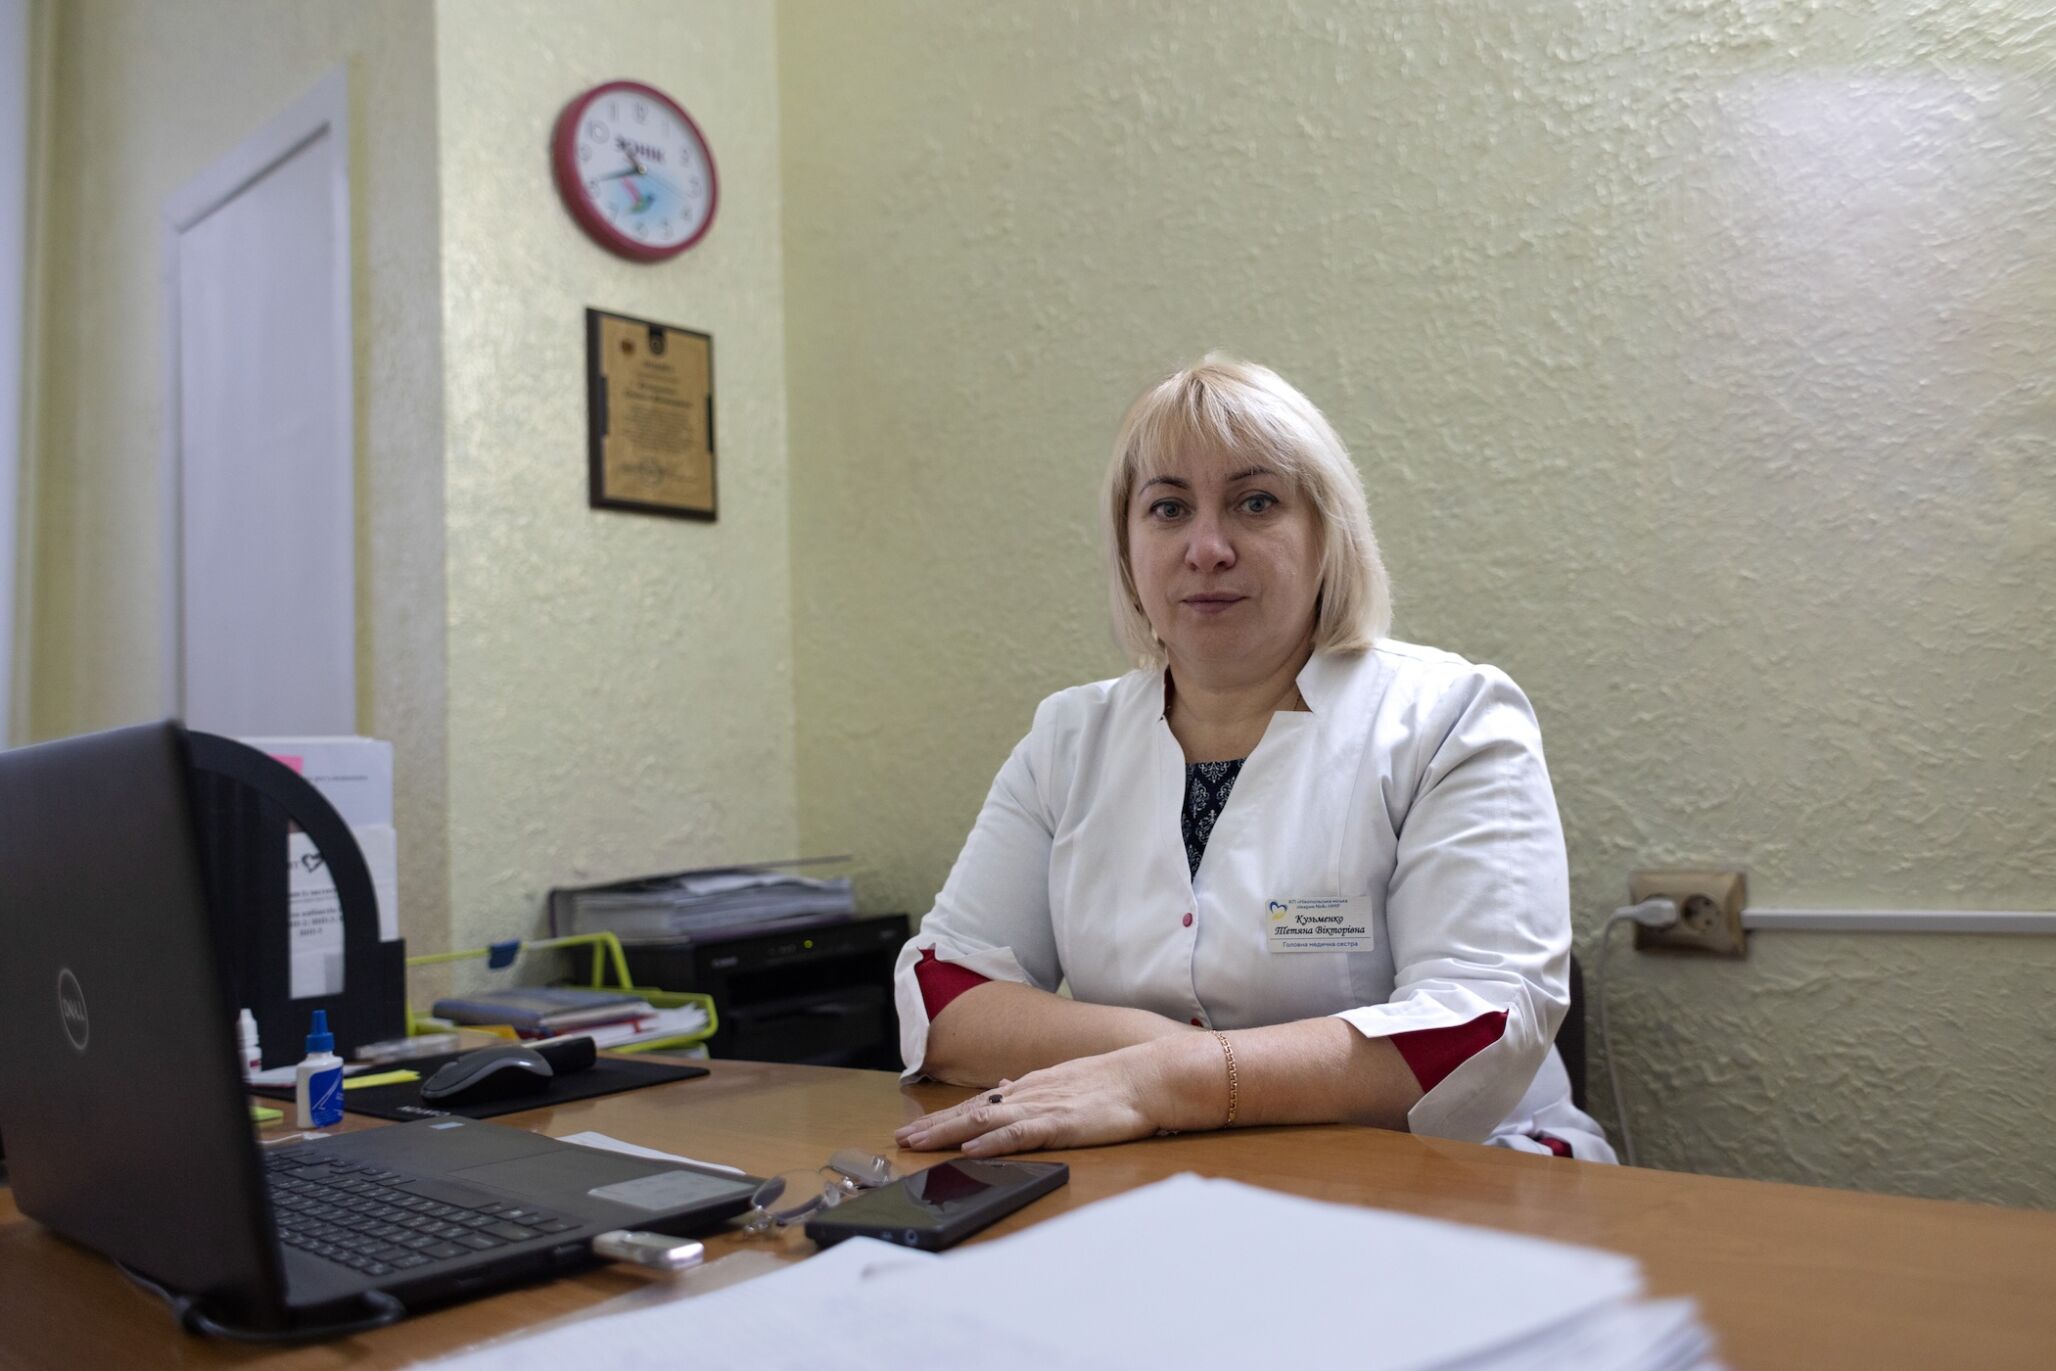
{"points": [[1899, 920]]}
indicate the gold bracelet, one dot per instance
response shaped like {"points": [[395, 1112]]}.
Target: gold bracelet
{"points": [[1234, 1083]]}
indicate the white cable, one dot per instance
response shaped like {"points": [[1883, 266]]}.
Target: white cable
{"points": [[1657, 912]]}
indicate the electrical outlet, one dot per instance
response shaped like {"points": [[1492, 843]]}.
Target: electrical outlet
{"points": [[1710, 904]]}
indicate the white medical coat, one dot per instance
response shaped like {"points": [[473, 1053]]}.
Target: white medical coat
{"points": [[1414, 778]]}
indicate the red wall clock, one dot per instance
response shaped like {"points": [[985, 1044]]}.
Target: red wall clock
{"points": [[634, 170]]}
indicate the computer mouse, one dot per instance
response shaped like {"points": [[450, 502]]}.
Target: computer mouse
{"points": [[492, 1073]]}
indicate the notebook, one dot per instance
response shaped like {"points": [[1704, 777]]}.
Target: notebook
{"points": [[114, 1024], [543, 1011]]}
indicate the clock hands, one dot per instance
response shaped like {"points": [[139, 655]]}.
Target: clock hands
{"points": [[643, 185], [639, 198]]}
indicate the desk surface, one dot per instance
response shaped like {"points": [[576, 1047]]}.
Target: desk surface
{"points": [[1785, 1275]]}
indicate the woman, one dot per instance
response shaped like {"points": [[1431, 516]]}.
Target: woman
{"points": [[1293, 872]]}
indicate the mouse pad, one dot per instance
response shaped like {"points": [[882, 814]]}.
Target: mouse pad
{"points": [[607, 1076]]}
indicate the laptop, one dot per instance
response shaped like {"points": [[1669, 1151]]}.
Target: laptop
{"points": [[128, 1128]]}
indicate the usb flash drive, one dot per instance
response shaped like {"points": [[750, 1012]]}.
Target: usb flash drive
{"points": [[658, 1251]]}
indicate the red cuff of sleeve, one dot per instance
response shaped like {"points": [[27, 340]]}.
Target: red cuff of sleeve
{"points": [[942, 982], [1432, 1053]]}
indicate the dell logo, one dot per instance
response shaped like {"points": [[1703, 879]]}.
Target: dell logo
{"points": [[71, 1008]]}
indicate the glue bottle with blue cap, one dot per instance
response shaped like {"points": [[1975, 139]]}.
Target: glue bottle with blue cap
{"points": [[318, 1081]]}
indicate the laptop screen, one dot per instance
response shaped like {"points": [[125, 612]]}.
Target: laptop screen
{"points": [[120, 1099]]}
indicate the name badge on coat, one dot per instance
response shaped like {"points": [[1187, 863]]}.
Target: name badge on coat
{"points": [[1327, 924]]}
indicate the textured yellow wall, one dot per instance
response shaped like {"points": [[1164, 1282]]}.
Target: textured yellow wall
{"points": [[147, 96], [1693, 355], [1696, 359], [572, 694], [620, 685]]}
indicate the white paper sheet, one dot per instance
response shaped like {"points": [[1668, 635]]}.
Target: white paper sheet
{"points": [[664, 1023], [1296, 1282], [317, 914], [790, 1320], [610, 1144], [353, 774], [1188, 1272]]}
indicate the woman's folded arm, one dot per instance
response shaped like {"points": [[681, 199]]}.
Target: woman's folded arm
{"points": [[1001, 1030]]}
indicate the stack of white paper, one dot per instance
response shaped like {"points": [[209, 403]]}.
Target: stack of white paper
{"points": [[1185, 1272], [679, 1022]]}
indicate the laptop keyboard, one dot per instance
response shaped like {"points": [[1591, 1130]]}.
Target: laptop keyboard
{"points": [[360, 1216]]}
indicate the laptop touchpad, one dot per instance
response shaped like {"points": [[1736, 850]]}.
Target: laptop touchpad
{"points": [[572, 1175]]}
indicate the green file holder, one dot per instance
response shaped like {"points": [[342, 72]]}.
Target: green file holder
{"points": [[607, 959]]}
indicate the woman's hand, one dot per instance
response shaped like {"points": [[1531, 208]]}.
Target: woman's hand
{"points": [[1129, 1093]]}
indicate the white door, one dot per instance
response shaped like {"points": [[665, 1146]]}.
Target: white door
{"points": [[262, 525]]}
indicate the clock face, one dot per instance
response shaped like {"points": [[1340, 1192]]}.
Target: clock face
{"points": [[634, 170]]}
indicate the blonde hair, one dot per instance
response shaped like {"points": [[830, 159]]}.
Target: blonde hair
{"points": [[1223, 405]]}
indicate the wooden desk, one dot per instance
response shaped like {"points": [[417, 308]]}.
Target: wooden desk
{"points": [[1786, 1276]]}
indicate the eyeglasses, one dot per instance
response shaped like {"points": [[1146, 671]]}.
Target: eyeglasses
{"points": [[792, 1195]]}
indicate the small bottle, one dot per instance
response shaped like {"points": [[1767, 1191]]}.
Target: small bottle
{"points": [[318, 1082], [246, 1039]]}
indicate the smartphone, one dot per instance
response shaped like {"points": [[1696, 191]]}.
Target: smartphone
{"points": [[939, 1207]]}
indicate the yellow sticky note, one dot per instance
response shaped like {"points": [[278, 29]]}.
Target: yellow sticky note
{"points": [[380, 1078], [262, 1115]]}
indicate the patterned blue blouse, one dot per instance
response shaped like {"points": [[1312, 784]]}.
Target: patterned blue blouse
{"points": [[1206, 792]]}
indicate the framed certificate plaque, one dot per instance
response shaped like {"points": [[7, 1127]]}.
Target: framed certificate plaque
{"points": [[650, 415]]}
